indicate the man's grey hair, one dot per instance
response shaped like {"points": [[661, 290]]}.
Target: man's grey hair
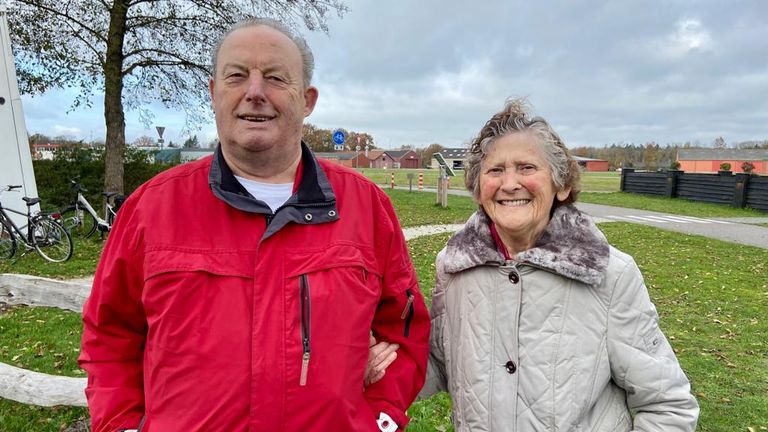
{"points": [[515, 118], [307, 59]]}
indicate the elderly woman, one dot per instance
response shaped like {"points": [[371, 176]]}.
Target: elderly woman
{"points": [[538, 324]]}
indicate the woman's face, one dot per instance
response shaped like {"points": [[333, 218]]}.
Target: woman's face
{"points": [[516, 189]]}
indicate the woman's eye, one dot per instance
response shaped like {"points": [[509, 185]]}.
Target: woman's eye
{"points": [[527, 168], [495, 170]]}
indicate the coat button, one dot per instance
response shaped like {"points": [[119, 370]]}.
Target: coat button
{"points": [[511, 367], [514, 277]]}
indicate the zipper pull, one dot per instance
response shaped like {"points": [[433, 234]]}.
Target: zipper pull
{"points": [[408, 305], [304, 369]]}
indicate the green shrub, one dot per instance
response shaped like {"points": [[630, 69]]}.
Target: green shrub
{"points": [[87, 165]]}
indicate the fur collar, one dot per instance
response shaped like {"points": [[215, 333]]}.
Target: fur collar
{"points": [[570, 246]]}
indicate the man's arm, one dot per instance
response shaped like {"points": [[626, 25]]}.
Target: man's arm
{"points": [[401, 318], [114, 332]]}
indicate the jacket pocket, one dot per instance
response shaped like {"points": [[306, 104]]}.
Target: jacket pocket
{"points": [[187, 294], [331, 295], [407, 314]]}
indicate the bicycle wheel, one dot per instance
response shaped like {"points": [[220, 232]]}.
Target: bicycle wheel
{"points": [[78, 222], [7, 242], [51, 240]]}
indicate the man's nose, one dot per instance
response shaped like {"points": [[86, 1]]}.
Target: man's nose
{"points": [[255, 91]]}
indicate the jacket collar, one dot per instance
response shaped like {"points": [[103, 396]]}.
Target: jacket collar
{"points": [[313, 202], [571, 246]]}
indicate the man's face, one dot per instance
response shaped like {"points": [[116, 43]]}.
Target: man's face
{"points": [[258, 93]]}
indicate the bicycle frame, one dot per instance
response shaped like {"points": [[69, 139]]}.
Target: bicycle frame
{"points": [[87, 206], [25, 238]]}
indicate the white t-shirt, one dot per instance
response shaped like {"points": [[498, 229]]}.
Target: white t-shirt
{"points": [[274, 194]]}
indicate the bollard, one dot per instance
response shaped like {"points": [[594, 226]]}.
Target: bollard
{"points": [[421, 182], [392, 181]]}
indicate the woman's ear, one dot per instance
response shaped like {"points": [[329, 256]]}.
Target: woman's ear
{"points": [[562, 195]]}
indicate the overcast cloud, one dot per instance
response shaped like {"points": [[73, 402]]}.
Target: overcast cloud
{"points": [[428, 71]]}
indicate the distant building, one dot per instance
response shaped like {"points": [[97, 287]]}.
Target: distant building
{"points": [[404, 158], [589, 164], [177, 155], [192, 154], [709, 160], [348, 159], [383, 160], [454, 157], [44, 151], [389, 159]]}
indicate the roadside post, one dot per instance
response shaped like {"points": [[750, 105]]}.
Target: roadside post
{"points": [[421, 182], [442, 181], [392, 181], [410, 182]]}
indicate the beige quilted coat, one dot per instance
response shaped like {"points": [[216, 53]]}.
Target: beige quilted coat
{"points": [[562, 338]]}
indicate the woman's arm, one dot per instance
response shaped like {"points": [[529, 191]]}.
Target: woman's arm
{"points": [[643, 362]]}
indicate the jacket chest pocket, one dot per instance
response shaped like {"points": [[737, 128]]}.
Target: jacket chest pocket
{"points": [[187, 294], [331, 296]]}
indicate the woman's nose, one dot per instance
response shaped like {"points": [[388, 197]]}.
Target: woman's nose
{"points": [[510, 181]]}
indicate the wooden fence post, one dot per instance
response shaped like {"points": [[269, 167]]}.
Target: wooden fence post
{"points": [[740, 190]]}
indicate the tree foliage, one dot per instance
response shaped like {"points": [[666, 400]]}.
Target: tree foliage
{"points": [[191, 142], [135, 52], [320, 140]]}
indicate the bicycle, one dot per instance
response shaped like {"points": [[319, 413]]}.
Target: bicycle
{"points": [[44, 233], [81, 220]]}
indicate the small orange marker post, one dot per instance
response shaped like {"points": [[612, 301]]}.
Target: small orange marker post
{"points": [[421, 182], [392, 181]]}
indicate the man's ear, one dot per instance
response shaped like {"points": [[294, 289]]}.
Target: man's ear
{"points": [[310, 99], [210, 89]]}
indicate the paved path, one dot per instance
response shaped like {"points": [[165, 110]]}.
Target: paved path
{"points": [[737, 230]]}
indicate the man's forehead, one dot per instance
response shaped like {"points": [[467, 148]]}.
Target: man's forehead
{"points": [[259, 34]]}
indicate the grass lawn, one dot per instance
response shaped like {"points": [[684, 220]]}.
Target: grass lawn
{"points": [[667, 205], [711, 295], [590, 181], [419, 208], [85, 256]]}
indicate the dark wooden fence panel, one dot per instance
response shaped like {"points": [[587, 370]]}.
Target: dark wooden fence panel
{"points": [[757, 193], [646, 183], [713, 188], [740, 190]]}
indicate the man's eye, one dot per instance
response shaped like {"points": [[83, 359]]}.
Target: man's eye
{"points": [[276, 78], [234, 75]]}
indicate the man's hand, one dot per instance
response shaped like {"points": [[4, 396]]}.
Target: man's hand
{"points": [[380, 356]]}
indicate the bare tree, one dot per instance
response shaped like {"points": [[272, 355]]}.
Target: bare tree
{"points": [[136, 52], [144, 141]]}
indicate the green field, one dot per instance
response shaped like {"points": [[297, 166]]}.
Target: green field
{"points": [[668, 205], [711, 296], [591, 181]]}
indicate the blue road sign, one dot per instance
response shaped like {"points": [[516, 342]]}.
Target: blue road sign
{"points": [[338, 136]]}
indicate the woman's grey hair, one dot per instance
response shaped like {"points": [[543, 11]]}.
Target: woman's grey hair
{"points": [[515, 118], [307, 59]]}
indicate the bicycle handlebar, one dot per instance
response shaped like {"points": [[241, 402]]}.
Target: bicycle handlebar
{"points": [[12, 187], [76, 185]]}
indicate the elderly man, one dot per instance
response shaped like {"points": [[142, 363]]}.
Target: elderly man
{"points": [[238, 292]]}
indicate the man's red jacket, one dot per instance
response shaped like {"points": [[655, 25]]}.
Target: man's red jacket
{"points": [[210, 313]]}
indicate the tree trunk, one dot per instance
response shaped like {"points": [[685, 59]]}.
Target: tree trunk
{"points": [[113, 98]]}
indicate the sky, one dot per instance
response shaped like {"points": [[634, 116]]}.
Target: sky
{"points": [[434, 71]]}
